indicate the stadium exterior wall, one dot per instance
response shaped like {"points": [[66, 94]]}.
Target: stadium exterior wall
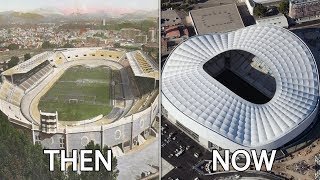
{"points": [[122, 131], [207, 135]]}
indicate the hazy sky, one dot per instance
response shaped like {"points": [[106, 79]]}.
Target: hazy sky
{"points": [[83, 6]]}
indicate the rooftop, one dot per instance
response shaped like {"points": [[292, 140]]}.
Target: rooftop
{"points": [[142, 64], [278, 20], [216, 19], [303, 1], [265, 1], [170, 18]]}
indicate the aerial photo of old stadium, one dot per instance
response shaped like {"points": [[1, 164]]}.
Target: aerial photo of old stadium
{"points": [[79, 75], [240, 74]]}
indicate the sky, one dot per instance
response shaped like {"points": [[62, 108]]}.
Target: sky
{"points": [[81, 6]]}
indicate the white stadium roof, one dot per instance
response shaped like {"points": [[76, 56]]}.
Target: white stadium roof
{"points": [[210, 109]]}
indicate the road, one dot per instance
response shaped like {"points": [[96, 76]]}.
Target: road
{"points": [[183, 165], [134, 163]]}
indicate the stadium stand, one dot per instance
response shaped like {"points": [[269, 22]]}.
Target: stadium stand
{"points": [[23, 86], [145, 85], [11, 93], [144, 102], [27, 80], [92, 53], [247, 66], [142, 64], [112, 55], [59, 58], [28, 65]]}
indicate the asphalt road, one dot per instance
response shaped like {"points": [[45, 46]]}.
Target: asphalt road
{"points": [[185, 162]]}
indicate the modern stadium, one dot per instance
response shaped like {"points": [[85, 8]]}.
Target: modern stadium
{"points": [[253, 88], [68, 97]]}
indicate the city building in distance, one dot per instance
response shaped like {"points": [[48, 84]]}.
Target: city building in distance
{"points": [[273, 102]]}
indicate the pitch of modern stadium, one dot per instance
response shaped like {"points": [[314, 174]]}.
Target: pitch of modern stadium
{"points": [[68, 97], [203, 90]]}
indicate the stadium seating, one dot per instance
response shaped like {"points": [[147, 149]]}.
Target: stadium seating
{"points": [[247, 66], [11, 93], [145, 66], [59, 58], [35, 77], [93, 53]]}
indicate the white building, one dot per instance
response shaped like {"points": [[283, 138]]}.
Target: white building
{"points": [[216, 116], [278, 20]]}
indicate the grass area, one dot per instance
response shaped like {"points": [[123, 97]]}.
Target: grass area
{"points": [[81, 93]]}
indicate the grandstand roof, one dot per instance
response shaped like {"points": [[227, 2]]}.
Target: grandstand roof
{"points": [[28, 65], [170, 18], [142, 64], [200, 99]]}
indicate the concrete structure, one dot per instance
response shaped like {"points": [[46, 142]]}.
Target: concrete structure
{"points": [[304, 9], [123, 133], [217, 117], [49, 122], [152, 35], [278, 20], [216, 19], [21, 105]]}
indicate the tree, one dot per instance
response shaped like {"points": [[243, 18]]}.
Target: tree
{"points": [[103, 174], [284, 7], [13, 46], [116, 45], [259, 10], [190, 1], [27, 56], [13, 61], [99, 35], [19, 158], [68, 45], [47, 45]]}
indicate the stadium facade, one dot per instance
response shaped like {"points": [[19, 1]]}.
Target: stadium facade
{"points": [[272, 59], [23, 85]]}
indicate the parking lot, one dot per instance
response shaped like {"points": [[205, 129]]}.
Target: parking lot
{"points": [[181, 151]]}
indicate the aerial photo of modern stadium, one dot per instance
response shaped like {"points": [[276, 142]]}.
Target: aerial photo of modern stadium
{"points": [[219, 111]]}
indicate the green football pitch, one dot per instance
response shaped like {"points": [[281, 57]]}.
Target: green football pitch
{"points": [[80, 93]]}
